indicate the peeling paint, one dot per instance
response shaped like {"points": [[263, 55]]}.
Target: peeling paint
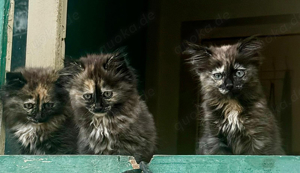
{"points": [[28, 161], [133, 163]]}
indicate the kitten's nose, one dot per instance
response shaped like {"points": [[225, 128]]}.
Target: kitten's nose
{"points": [[229, 84], [99, 110], [101, 107], [39, 117]]}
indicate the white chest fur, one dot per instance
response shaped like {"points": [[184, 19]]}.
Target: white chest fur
{"points": [[232, 111], [100, 139], [30, 134]]}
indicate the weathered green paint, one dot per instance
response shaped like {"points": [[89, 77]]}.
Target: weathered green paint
{"points": [[4, 12], [159, 164], [230, 164], [4, 8], [71, 164]]}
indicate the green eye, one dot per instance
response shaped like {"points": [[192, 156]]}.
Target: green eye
{"points": [[49, 105], [87, 96], [28, 105], [240, 73], [107, 94], [217, 76]]}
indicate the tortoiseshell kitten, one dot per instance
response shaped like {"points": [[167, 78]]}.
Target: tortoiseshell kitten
{"points": [[236, 118], [112, 118], [35, 115]]}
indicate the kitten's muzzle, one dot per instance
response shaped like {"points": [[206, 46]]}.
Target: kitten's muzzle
{"points": [[38, 118], [101, 109]]}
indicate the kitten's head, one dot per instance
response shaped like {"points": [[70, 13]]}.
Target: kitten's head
{"points": [[29, 96], [100, 83], [227, 69]]}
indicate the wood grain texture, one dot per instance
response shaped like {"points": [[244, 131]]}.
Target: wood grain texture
{"points": [[4, 13], [159, 164], [10, 24], [2, 132], [46, 33], [230, 164], [71, 164]]}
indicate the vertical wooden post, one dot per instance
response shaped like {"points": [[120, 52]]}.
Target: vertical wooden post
{"points": [[6, 25], [10, 30], [46, 33]]}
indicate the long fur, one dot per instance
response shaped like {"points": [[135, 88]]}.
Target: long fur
{"points": [[238, 121], [128, 127], [57, 134]]}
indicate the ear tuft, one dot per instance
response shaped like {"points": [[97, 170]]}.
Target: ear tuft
{"points": [[118, 59], [249, 49], [68, 61], [250, 44], [191, 49], [198, 56], [71, 69]]}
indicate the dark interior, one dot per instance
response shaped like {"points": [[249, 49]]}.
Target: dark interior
{"points": [[153, 32]]}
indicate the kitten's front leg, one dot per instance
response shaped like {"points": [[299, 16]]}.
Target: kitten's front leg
{"points": [[213, 146]]}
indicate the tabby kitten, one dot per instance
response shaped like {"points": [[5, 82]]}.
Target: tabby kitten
{"points": [[236, 118], [112, 118], [34, 113]]}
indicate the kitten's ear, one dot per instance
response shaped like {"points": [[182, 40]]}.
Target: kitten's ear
{"points": [[198, 56], [15, 80], [117, 60], [249, 49], [118, 65], [69, 61], [72, 67]]}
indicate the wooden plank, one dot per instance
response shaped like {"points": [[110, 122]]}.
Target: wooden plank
{"points": [[2, 132], [4, 6], [84, 163], [230, 164], [4, 13], [10, 24], [46, 33], [159, 164]]}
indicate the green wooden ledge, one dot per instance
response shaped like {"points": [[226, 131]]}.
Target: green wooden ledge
{"points": [[159, 164], [230, 164], [71, 164]]}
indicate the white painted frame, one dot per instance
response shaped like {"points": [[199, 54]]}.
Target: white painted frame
{"points": [[46, 33]]}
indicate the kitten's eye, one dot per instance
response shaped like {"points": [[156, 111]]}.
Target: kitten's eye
{"points": [[240, 73], [107, 94], [87, 96], [28, 105], [218, 76], [49, 105]]}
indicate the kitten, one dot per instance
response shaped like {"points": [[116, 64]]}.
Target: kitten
{"points": [[34, 113], [236, 117], [112, 118]]}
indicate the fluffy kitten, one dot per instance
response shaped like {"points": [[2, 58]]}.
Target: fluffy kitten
{"points": [[236, 117], [34, 113], [112, 118]]}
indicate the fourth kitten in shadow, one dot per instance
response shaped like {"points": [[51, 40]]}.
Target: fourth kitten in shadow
{"points": [[236, 117]]}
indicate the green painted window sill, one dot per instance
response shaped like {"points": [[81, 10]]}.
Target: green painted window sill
{"points": [[159, 164]]}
